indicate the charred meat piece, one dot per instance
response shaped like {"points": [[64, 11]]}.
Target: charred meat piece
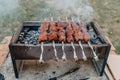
{"points": [[52, 23], [69, 30], [52, 36], [75, 26], [43, 36], [62, 24], [86, 35], [43, 31], [77, 33], [78, 36], [70, 39], [44, 26], [61, 31], [53, 26], [70, 33], [62, 38], [61, 35]]}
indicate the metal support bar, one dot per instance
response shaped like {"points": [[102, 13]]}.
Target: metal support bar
{"points": [[14, 63], [105, 60], [21, 65], [100, 69]]}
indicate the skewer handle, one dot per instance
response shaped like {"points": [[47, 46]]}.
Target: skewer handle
{"points": [[63, 49], [55, 51], [83, 53], [80, 44], [66, 19], [75, 55], [94, 54], [54, 46], [41, 55], [51, 18], [64, 55]]}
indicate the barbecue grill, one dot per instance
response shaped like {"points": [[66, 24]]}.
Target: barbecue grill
{"points": [[32, 51]]}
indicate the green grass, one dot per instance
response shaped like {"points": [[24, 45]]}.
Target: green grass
{"points": [[107, 14], [118, 48]]}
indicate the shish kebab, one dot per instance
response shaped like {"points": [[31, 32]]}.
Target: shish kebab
{"points": [[61, 35], [70, 38], [52, 36], [43, 37], [58, 33], [78, 35], [87, 38]]}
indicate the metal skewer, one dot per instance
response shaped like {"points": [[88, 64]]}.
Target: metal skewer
{"points": [[83, 53], [80, 44], [54, 46], [63, 49], [75, 55], [41, 56], [93, 52]]}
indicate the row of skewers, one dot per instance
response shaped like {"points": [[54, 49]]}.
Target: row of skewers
{"points": [[65, 32]]}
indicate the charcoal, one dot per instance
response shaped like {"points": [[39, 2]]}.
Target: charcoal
{"points": [[22, 33], [35, 43], [26, 30], [20, 39], [28, 36], [26, 42], [93, 37]]}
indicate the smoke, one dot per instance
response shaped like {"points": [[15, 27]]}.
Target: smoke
{"points": [[8, 7], [76, 8]]}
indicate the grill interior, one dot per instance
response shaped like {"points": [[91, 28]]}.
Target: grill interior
{"points": [[29, 35]]}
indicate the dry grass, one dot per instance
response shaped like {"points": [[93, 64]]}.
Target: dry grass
{"points": [[107, 14]]}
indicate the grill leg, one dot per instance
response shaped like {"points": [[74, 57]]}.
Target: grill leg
{"points": [[105, 61], [15, 67], [100, 69], [14, 63]]}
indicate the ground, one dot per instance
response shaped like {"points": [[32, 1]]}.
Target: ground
{"points": [[33, 70]]}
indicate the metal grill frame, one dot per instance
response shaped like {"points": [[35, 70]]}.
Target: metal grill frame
{"points": [[17, 55]]}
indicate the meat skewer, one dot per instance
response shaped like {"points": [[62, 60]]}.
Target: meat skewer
{"points": [[53, 37], [43, 37], [63, 39], [94, 54], [87, 38], [41, 56], [79, 38], [70, 38]]}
